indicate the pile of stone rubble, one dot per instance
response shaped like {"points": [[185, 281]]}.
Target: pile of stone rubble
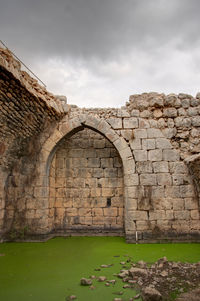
{"points": [[159, 281]]}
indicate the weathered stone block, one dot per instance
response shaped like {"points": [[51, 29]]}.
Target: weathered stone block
{"points": [[130, 123], [135, 144], [131, 179], [173, 192], [116, 123], [110, 172], [97, 212], [163, 143], [125, 153], [102, 153], [97, 144], [195, 214], [129, 166], [71, 211], [143, 123], [135, 113], [178, 167], [97, 173], [120, 144], [163, 225], [140, 133], [183, 214], [131, 204], [161, 166], [144, 167], [117, 202], [180, 179], [95, 192], [155, 155], [148, 144], [138, 215], [140, 155], [169, 214], [196, 121], [187, 191], [98, 220], [157, 192], [157, 215], [154, 133], [171, 155], [93, 162], [131, 192], [127, 134], [178, 204], [142, 225], [148, 179], [117, 162], [164, 179], [80, 162], [191, 203], [106, 162], [170, 112], [111, 211]]}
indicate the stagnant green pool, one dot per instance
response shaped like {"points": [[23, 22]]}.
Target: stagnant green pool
{"points": [[52, 270]]}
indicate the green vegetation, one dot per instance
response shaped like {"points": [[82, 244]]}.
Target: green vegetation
{"points": [[52, 270]]}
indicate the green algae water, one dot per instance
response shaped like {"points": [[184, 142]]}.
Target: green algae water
{"points": [[51, 271]]}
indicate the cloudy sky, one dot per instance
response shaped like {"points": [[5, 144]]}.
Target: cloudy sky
{"points": [[98, 52]]}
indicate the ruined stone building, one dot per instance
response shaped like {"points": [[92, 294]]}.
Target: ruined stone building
{"points": [[65, 170]]}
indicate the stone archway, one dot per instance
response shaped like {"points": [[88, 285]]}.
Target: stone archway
{"points": [[69, 126], [86, 186]]}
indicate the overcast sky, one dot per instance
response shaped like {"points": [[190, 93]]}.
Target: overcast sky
{"points": [[98, 52]]}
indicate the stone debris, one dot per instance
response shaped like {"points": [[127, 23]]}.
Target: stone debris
{"points": [[113, 281], [123, 273], [137, 272], [102, 278], [106, 265], [86, 282], [158, 280], [193, 295], [92, 287], [151, 294]]}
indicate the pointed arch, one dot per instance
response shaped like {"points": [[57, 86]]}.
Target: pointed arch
{"points": [[69, 126]]}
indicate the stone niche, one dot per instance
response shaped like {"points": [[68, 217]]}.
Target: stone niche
{"points": [[86, 186]]}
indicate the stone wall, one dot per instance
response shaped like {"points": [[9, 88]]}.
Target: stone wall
{"points": [[88, 179], [26, 111], [152, 144]]}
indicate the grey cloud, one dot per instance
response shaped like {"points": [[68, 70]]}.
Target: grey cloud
{"points": [[97, 28], [100, 51]]}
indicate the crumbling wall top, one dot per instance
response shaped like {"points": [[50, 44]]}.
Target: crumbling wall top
{"points": [[9, 63]]}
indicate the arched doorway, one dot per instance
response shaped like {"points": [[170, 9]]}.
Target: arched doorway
{"points": [[45, 195], [86, 186]]}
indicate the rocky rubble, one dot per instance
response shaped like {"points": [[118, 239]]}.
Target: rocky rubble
{"points": [[160, 281]]}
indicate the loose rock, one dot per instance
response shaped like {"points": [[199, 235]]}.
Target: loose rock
{"points": [[85, 281], [151, 294]]}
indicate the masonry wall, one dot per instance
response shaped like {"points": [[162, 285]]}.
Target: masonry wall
{"points": [[57, 162], [86, 181], [26, 111]]}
